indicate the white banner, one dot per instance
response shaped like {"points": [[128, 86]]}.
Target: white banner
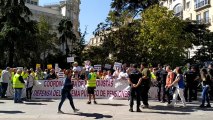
{"points": [[109, 89]]}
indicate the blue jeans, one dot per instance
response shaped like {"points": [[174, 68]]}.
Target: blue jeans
{"points": [[17, 95], [205, 96], [66, 94]]}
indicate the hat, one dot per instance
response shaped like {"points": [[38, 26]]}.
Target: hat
{"points": [[91, 68]]}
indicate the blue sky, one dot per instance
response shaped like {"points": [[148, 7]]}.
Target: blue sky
{"points": [[92, 13]]}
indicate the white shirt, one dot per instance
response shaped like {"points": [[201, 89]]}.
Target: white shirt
{"points": [[6, 76], [77, 68], [30, 81]]}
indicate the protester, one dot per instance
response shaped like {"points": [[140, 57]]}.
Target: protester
{"points": [[91, 85], [135, 78], [178, 83], [108, 75], [76, 74], [24, 74], [39, 75], [5, 79], [190, 77], [210, 72], [145, 84], [18, 85], [159, 81], [65, 92], [122, 76], [169, 80], [52, 75], [29, 85], [116, 73], [13, 72], [205, 77], [83, 74], [76, 67]]}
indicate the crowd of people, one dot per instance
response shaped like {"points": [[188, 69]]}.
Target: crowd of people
{"points": [[181, 82]]}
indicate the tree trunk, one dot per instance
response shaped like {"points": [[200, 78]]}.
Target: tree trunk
{"points": [[11, 54]]}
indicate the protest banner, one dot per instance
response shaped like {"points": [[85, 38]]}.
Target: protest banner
{"points": [[70, 59], [97, 67], [117, 65], [38, 66], [105, 89], [49, 66], [107, 66]]}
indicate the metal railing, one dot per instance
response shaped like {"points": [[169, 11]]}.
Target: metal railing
{"points": [[202, 4], [204, 21]]}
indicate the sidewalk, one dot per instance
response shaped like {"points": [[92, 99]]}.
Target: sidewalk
{"points": [[105, 109]]}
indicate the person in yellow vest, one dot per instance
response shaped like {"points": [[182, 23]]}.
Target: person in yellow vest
{"points": [[0, 72], [32, 72], [24, 74], [18, 85], [14, 70], [91, 85], [39, 75]]}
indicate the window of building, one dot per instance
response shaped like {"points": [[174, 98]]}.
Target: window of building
{"points": [[201, 3], [178, 9], [188, 5], [28, 1], [206, 17], [198, 18], [35, 3]]}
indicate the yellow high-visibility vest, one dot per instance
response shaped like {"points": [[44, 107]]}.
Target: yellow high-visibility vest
{"points": [[91, 82], [16, 82]]}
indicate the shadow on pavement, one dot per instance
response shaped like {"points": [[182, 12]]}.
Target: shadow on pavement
{"points": [[166, 112], [11, 112], [180, 109], [93, 115], [1, 102], [110, 104], [35, 104], [41, 100]]}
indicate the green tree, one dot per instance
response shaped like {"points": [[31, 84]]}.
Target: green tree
{"points": [[65, 28], [97, 55], [46, 41], [133, 6], [163, 36], [16, 31]]}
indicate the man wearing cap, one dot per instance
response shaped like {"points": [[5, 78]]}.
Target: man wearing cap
{"points": [[18, 85], [76, 67], [91, 85], [5, 79]]}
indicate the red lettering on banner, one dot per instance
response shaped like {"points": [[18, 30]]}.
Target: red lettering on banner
{"points": [[42, 93], [104, 83], [57, 93], [96, 92], [83, 93], [76, 93], [53, 83], [78, 83], [102, 93], [117, 93]]}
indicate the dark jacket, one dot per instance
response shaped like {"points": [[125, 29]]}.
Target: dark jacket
{"points": [[68, 84]]}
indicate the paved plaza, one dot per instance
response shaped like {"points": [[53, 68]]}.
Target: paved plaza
{"points": [[43, 109]]}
